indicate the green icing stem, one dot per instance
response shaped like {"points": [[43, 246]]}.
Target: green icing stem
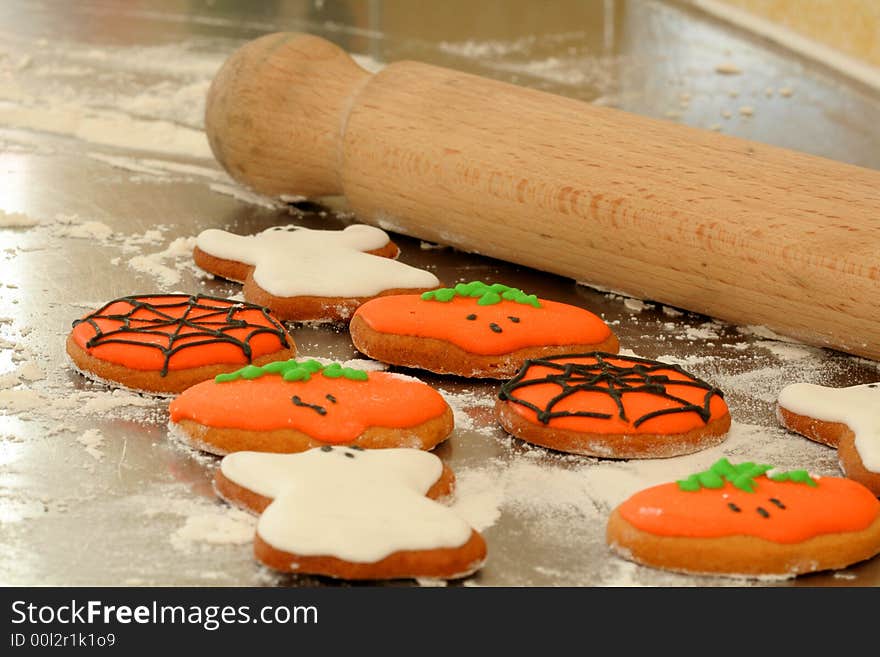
{"points": [[486, 295], [294, 370], [742, 476]]}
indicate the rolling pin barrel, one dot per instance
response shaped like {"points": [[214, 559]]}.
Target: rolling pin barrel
{"points": [[738, 230]]}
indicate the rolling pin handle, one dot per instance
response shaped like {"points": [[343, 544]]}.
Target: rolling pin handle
{"points": [[276, 111]]}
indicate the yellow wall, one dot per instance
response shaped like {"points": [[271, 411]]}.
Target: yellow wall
{"points": [[850, 26]]}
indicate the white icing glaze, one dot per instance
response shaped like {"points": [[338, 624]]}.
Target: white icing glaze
{"points": [[356, 505], [291, 261], [858, 407]]}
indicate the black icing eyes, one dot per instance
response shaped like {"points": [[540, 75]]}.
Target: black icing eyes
{"points": [[349, 450], [760, 510], [297, 401], [492, 325]]}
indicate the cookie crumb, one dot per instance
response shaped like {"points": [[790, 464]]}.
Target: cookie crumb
{"points": [[728, 68]]}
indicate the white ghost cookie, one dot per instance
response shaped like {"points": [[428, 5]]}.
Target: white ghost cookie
{"points": [[845, 418], [304, 274], [351, 513]]}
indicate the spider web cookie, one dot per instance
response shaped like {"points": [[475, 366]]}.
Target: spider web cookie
{"points": [[165, 343], [602, 404]]}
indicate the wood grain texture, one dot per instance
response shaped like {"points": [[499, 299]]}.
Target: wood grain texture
{"points": [[738, 230]]}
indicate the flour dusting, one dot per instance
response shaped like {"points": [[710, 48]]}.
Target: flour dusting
{"points": [[92, 440]]}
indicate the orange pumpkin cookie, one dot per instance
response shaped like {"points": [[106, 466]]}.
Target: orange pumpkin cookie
{"points": [[748, 520], [164, 343], [847, 419], [304, 274], [292, 406], [351, 513], [474, 330], [612, 406]]}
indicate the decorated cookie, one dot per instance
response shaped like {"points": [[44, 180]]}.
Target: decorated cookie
{"points": [[748, 520], [292, 406], [352, 513], [845, 418], [164, 343], [304, 274], [612, 406], [474, 330]]}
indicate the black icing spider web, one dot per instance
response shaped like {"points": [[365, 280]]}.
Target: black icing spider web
{"points": [[610, 378], [208, 320]]}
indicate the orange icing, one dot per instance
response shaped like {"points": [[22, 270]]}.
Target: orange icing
{"points": [[552, 324], [835, 505], [192, 354], [265, 404], [635, 404]]}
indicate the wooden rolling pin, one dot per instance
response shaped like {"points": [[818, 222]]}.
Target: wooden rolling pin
{"points": [[738, 230]]}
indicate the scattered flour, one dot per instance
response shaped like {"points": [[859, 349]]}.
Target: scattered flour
{"points": [[153, 264], [106, 127], [104, 403], [19, 400], [92, 440], [135, 241], [762, 384], [220, 526], [126, 163], [636, 305], [763, 332], [478, 497], [27, 372], [787, 350], [90, 305], [16, 220], [73, 226], [14, 509], [246, 195], [206, 522], [707, 331], [429, 582], [473, 412], [361, 364]]}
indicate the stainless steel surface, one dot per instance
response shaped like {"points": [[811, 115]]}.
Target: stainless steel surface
{"points": [[100, 119]]}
